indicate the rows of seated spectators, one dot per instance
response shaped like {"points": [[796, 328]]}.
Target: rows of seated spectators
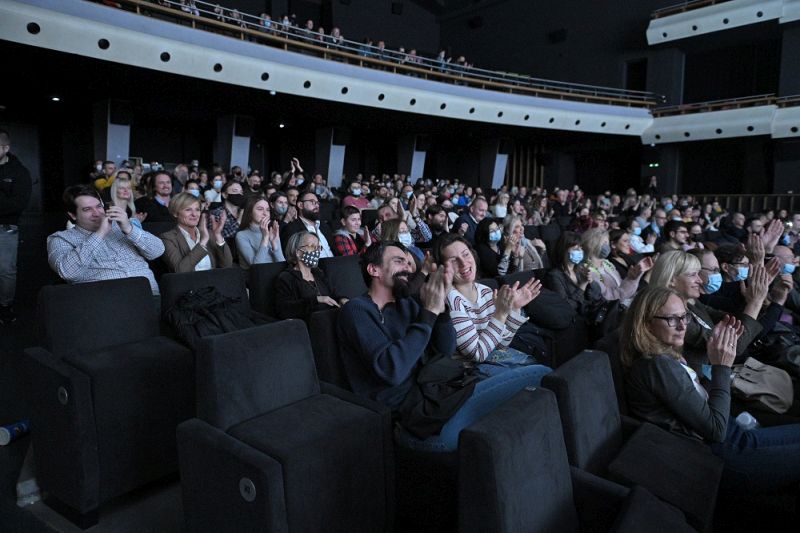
{"points": [[444, 301]]}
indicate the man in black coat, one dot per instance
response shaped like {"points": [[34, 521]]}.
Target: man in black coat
{"points": [[308, 220], [15, 193]]}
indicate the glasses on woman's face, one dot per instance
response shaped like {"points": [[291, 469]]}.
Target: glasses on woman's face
{"points": [[711, 270], [672, 321], [311, 248]]}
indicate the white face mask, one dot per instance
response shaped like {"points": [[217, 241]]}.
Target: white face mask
{"points": [[405, 239]]}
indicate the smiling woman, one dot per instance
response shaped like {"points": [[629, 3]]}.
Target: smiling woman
{"points": [[187, 247]]}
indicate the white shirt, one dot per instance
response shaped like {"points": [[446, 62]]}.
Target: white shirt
{"points": [[205, 262], [314, 228]]}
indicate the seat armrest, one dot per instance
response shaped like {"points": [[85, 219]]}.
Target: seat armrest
{"points": [[597, 500], [642, 511], [351, 397], [629, 426], [224, 481], [63, 430]]}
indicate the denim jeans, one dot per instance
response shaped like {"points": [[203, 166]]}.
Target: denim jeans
{"points": [[762, 459], [488, 394], [9, 241]]}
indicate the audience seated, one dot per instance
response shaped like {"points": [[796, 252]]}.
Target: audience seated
{"points": [[351, 239], [155, 206], [466, 224], [572, 279], [121, 194], [102, 244], [188, 247], [494, 260], [303, 288], [596, 249], [526, 254], [308, 220], [233, 201], [664, 390], [258, 241]]}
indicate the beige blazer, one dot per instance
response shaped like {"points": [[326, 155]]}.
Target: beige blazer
{"points": [[179, 258]]}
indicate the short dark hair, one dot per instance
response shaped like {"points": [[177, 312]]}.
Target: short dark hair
{"points": [[433, 210], [729, 253], [374, 256], [482, 231], [5, 138], [674, 225], [72, 192], [446, 240], [277, 194], [349, 210]]}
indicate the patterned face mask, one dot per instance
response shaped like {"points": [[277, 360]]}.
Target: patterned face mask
{"points": [[310, 259]]}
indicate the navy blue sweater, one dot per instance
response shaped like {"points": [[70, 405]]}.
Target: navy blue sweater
{"points": [[382, 351]]}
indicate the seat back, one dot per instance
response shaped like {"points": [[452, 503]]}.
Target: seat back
{"points": [[344, 274], [551, 232], [489, 282], [513, 469], [325, 345], [85, 317], [229, 282], [521, 277], [157, 228], [262, 286], [368, 218], [253, 371], [532, 232], [590, 416], [610, 345]]}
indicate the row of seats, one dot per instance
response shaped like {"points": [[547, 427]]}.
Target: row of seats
{"points": [[109, 392]]}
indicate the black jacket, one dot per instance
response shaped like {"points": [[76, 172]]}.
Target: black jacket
{"points": [[297, 225], [155, 211], [297, 298], [15, 190]]}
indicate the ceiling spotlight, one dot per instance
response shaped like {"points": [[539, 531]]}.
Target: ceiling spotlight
{"points": [[55, 99], [281, 125], [272, 93]]}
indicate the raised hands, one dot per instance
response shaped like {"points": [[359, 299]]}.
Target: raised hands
{"points": [[433, 293], [514, 297], [640, 268], [217, 224], [721, 346], [526, 294], [755, 249], [771, 234]]}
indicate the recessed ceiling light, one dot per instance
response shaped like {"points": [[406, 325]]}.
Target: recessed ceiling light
{"points": [[55, 99], [272, 93], [281, 125]]}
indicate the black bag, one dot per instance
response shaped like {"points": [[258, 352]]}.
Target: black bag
{"points": [[203, 312], [441, 387], [780, 348]]}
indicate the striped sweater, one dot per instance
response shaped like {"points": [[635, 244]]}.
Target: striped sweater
{"points": [[478, 333]]}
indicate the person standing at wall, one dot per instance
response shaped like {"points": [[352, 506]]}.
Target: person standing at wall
{"points": [[15, 193]]}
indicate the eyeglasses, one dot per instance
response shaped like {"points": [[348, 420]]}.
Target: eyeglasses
{"points": [[312, 202], [712, 270], [311, 248], [672, 321]]}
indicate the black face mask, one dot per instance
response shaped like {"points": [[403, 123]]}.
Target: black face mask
{"points": [[236, 199], [699, 237]]}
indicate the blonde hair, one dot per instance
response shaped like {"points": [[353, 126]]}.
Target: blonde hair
{"points": [[509, 221], [638, 340], [592, 240], [671, 265], [181, 201], [115, 185]]}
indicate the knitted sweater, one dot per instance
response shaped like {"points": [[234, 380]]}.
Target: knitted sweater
{"points": [[478, 333]]}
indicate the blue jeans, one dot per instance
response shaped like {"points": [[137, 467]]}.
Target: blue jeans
{"points": [[9, 241], [488, 394], [761, 459]]}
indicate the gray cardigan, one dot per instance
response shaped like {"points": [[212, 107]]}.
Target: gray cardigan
{"points": [[248, 243], [660, 391]]}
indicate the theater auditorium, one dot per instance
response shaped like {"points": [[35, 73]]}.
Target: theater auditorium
{"points": [[399, 266]]}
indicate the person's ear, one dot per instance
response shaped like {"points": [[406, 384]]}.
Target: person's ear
{"points": [[373, 270], [72, 217]]}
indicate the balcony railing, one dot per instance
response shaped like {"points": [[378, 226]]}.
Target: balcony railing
{"points": [[683, 7], [748, 203], [202, 15], [721, 105]]}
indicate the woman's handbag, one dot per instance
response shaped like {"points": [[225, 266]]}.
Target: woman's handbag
{"points": [[766, 387]]}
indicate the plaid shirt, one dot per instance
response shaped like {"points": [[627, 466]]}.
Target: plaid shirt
{"points": [[231, 224], [79, 255], [344, 244]]}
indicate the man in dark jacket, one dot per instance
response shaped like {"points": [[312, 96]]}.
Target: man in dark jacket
{"points": [[15, 193], [308, 220]]}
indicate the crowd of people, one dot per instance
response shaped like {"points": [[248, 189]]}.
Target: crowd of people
{"points": [[688, 289], [288, 25]]}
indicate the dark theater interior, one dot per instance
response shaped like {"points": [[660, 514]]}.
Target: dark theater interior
{"points": [[399, 266]]}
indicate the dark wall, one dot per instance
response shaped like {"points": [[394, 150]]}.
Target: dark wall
{"points": [[414, 28], [738, 166], [584, 42]]}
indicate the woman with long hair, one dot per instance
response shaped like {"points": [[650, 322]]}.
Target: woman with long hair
{"points": [[259, 239]]}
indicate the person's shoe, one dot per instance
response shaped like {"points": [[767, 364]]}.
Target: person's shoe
{"points": [[7, 314]]}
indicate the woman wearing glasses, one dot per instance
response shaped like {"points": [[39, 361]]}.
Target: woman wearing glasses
{"points": [[303, 288], [664, 390], [684, 273]]}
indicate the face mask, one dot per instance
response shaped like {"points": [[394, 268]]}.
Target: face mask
{"points": [[668, 207], [310, 259], [714, 283], [300, 181], [677, 219], [356, 192], [698, 237], [98, 168], [319, 190], [788, 268], [742, 273], [406, 239], [217, 184], [494, 236], [605, 251], [785, 240], [194, 192], [236, 199], [451, 190], [408, 194], [576, 256], [637, 231], [281, 209], [500, 211]]}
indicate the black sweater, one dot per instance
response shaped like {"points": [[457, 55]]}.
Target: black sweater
{"points": [[15, 190]]}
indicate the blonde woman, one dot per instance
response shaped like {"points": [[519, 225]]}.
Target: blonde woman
{"points": [[122, 195], [527, 254], [596, 249], [190, 246]]}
